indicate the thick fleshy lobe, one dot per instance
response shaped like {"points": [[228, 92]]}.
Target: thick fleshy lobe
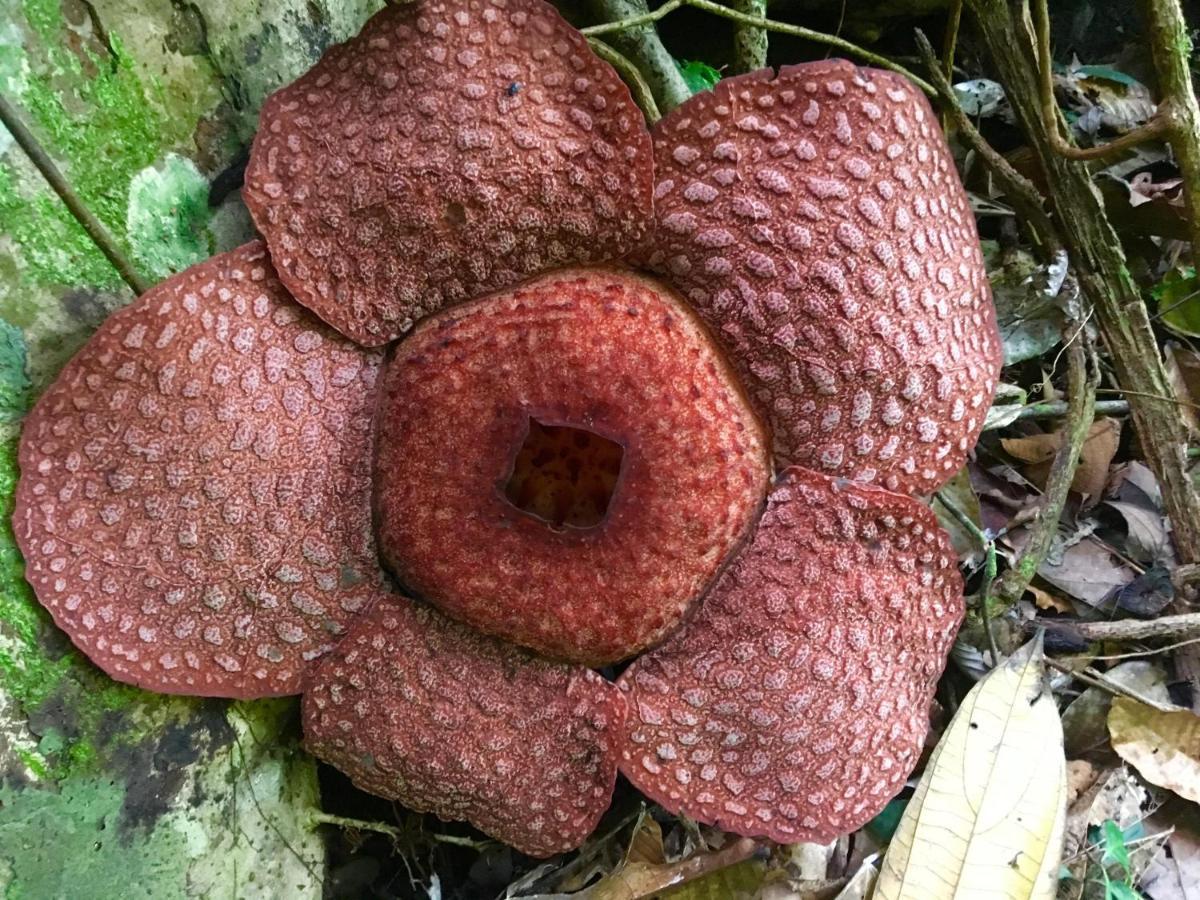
{"points": [[194, 502], [422, 710], [452, 148], [601, 350], [794, 705], [816, 221]]}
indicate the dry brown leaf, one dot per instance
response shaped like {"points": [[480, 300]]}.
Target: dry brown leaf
{"points": [[1081, 775], [1163, 746], [1091, 475], [1183, 369], [1116, 794], [730, 873], [1086, 571], [1047, 600], [1084, 728]]}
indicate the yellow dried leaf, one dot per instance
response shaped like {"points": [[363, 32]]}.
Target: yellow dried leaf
{"points": [[987, 817], [1163, 746]]}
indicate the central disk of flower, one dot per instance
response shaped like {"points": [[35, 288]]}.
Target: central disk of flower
{"points": [[501, 495], [564, 476]]}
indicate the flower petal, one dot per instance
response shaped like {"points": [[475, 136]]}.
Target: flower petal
{"points": [[816, 220], [451, 148], [194, 502], [419, 709], [794, 705], [601, 350]]}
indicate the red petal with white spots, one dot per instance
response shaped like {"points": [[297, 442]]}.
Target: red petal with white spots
{"points": [[794, 705], [419, 709], [194, 502], [816, 220], [450, 149]]}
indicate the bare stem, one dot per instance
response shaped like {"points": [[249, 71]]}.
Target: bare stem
{"points": [[750, 41], [93, 226], [634, 35], [1171, 49], [324, 818], [1083, 373], [1181, 627], [1055, 409]]}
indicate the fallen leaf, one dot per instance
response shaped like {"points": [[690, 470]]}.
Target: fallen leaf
{"points": [[990, 808], [1081, 775], [958, 491], [1117, 796], [730, 873], [1148, 594], [1175, 873], [1147, 530], [1083, 721], [1163, 746], [1091, 475], [1085, 571], [1047, 600]]}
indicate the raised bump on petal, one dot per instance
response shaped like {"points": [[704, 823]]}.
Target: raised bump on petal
{"points": [[794, 704], [452, 148], [816, 221]]}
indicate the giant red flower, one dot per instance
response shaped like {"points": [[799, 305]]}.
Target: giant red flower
{"points": [[563, 462]]}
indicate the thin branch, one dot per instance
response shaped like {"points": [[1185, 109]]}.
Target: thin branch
{"points": [[1154, 128], [642, 95], [1098, 679], [1172, 51], [950, 39], [817, 37], [1185, 626], [396, 834], [1083, 373], [1054, 409], [750, 41], [93, 226], [1024, 196], [634, 35]]}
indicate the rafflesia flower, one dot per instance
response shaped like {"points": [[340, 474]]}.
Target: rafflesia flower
{"points": [[586, 392]]}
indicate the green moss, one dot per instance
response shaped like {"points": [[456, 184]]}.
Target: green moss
{"points": [[104, 125], [68, 843], [168, 217]]}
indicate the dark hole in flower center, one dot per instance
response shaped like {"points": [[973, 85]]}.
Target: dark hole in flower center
{"points": [[564, 476]]}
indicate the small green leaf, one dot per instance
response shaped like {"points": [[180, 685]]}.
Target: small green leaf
{"points": [[1178, 301], [1107, 73], [698, 76], [1114, 845], [1118, 890], [883, 826]]}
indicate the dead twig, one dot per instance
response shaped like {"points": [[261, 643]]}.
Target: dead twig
{"points": [[1180, 627], [1083, 374]]}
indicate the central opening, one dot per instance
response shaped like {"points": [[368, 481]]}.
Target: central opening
{"points": [[564, 476]]}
